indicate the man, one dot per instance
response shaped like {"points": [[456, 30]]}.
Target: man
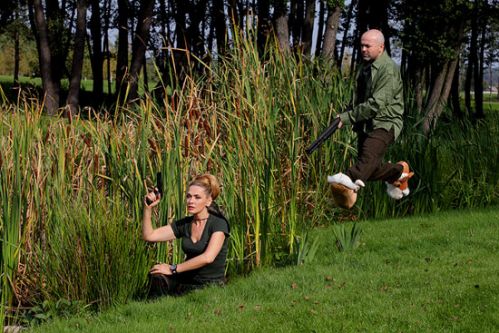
{"points": [[377, 118]]}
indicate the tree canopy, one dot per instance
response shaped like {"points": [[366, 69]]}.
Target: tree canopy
{"points": [[114, 40]]}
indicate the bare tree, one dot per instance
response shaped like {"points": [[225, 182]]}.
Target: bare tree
{"points": [[50, 88], [122, 56], [432, 52], [346, 30], [332, 22], [439, 95], [97, 56], [441, 86], [308, 27], [139, 46], [296, 19], [219, 20], [78, 54], [320, 29], [107, 51], [455, 98], [264, 23], [478, 69], [16, 46], [281, 25]]}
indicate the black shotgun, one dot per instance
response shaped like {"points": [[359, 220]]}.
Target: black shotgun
{"points": [[324, 136]]}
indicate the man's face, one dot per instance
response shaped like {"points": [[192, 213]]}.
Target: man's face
{"points": [[370, 48]]}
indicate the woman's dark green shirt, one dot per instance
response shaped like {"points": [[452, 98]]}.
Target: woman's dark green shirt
{"points": [[211, 272]]}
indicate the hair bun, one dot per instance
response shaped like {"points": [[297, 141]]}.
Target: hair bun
{"points": [[209, 182]]}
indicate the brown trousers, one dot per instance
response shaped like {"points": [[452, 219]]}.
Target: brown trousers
{"points": [[372, 147]]}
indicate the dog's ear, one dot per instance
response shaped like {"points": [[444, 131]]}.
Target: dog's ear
{"points": [[343, 196]]}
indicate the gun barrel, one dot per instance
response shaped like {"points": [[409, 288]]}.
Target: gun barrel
{"points": [[324, 136]]}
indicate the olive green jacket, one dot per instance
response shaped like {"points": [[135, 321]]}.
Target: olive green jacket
{"points": [[384, 103]]}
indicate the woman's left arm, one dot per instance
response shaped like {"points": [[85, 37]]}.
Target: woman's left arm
{"points": [[207, 257]]}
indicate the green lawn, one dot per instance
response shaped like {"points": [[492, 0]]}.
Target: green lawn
{"points": [[490, 106], [437, 273], [85, 85]]}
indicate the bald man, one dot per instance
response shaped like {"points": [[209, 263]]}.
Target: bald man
{"points": [[376, 117]]}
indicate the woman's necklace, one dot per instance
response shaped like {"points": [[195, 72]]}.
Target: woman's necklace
{"points": [[200, 220]]}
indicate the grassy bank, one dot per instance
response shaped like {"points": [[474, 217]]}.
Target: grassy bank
{"points": [[422, 274]]}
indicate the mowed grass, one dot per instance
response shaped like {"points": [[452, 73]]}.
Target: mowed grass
{"points": [[437, 273]]}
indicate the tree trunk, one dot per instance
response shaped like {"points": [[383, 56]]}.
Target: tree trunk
{"points": [[194, 31], [78, 54], [107, 51], [264, 24], [50, 89], [122, 56], [139, 46], [308, 27], [378, 19], [332, 23], [234, 19], [362, 16], [353, 60], [16, 50], [439, 95], [415, 79], [181, 41], [345, 32], [281, 25], [97, 56], [219, 23], [472, 58], [479, 77], [320, 29], [58, 39], [362, 26], [296, 21], [419, 79], [467, 80], [455, 100], [163, 55], [180, 25]]}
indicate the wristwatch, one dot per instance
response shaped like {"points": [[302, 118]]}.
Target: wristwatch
{"points": [[173, 269]]}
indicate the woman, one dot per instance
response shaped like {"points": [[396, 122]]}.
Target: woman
{"points": [[204, 237]]}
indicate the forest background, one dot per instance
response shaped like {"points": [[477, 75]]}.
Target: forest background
{"points": [[444, 47], [100, 95]]}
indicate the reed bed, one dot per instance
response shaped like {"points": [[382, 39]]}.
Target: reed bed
{"points": [[72, 191]]}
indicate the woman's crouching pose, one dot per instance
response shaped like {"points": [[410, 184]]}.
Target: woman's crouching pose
{"points": [[204, 235]]}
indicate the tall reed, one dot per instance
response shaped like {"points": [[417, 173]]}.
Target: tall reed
{"points": [[18, 208]]}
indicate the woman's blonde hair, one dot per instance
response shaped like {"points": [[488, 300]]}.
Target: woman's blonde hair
{"points": [[209, 183]]}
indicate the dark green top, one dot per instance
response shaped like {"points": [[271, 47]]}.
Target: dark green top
{"points": [[380, 103], [211, 272]]}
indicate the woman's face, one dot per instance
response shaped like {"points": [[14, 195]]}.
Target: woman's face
{"points": [[197, 199]]}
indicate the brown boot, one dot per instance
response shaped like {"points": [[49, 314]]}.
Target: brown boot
{"points": [[400, 188], [404, 178], [343, 196]]}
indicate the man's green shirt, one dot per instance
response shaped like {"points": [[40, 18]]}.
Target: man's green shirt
{"points": [[383, 105]]}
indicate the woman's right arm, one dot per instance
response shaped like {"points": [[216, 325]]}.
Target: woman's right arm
{"points": [[149, 234]]}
